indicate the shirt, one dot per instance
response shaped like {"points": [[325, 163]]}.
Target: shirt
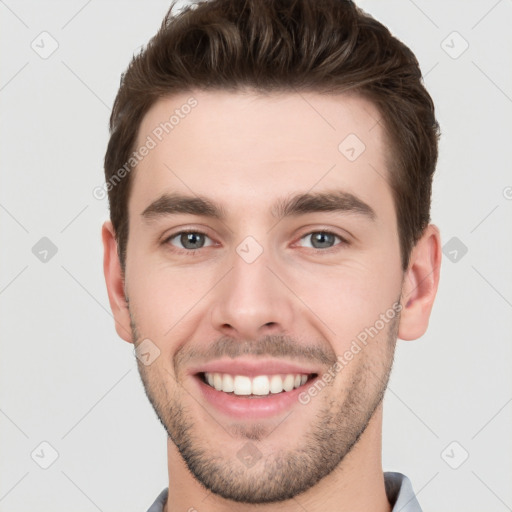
{"points": [[398, 490]]}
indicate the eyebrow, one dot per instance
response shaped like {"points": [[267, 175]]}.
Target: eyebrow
{"points": [[300, 204]]}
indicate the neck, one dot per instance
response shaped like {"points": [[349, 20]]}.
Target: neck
{"points": [[356, 485]]}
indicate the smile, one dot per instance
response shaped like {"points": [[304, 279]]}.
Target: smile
{"points": [[260, 385], [248, 388]]}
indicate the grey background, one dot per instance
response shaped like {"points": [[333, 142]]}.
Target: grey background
{"points": [[67, 379]]}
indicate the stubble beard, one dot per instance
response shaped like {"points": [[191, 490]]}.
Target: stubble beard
{"points": [[283, 475]]}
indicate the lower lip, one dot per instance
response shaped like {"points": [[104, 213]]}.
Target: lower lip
{"points": [[253, 407]]}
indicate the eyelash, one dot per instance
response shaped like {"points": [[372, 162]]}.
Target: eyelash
{"points": [[343, 242], [166, 241], [178, 233]]}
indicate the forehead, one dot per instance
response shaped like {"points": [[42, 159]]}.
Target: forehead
{"points": [[222, 143]]}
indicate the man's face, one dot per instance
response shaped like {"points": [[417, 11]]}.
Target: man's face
{"points": [[294, 254]]}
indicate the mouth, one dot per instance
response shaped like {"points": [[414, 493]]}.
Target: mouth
{"points": [[255, 387], [249, 390]]}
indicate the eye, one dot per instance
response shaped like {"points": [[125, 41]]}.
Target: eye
{"points": [[320, 240], [189, 240]]}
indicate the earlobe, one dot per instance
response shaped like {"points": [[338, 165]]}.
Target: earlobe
{"points": [[420, 285], [115, 283]]}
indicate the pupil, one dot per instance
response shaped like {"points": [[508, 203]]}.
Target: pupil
{"points": [[192, 240], [322, 240]]}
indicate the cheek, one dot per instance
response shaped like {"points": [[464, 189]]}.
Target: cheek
{"points": [[164, 299], [344, 301]]}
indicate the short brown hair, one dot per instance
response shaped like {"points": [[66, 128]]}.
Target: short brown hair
{"points": [[325, 46]]}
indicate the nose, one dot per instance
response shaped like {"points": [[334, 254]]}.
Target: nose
{"points": [[251, 301]]}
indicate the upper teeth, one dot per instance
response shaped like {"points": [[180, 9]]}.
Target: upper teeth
{"points": [[260, 385]]}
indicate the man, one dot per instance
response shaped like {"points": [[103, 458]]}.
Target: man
{"points": [[269, 175]]}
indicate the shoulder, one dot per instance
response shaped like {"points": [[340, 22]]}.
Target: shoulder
{"points": [[400, 492], [159, 503]]}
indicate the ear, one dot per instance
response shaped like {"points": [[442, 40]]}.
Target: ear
{"points": [[420, 285], [115, 283]]}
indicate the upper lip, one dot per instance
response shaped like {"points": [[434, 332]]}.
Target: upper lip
{"points": [[253, 367]]}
